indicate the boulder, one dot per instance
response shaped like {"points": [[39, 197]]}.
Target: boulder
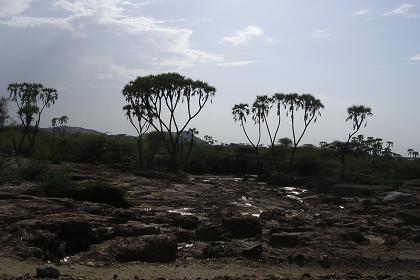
{"points": [[355, 236], [348, 190], [394, 197], [47, 271], [411, 217], [184, 221], [324, 261], [242, 227], [278, 240], [209, 232], [220, 249], [253, 251], [153, 248]]}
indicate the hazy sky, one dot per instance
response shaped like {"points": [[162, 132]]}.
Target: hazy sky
{"points": [[343, 52]]}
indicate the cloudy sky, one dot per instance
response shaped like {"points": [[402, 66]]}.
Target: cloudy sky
{"points": [[343, 52]]}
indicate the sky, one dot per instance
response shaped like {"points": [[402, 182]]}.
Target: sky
{"points": [[342, 52]]}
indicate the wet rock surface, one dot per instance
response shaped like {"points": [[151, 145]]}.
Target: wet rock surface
{"points": [[208, 220]]}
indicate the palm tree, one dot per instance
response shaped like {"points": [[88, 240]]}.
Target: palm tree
{"points": [[410, 152], [415, 154], [358, 116], [311, 107], [240, 112]]}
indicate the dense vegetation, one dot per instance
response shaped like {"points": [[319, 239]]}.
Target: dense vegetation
{"points": [[165, 145]]}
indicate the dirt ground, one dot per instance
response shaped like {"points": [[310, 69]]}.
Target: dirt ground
{"points": [[212, 227]]}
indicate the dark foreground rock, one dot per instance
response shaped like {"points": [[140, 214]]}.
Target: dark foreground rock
{"points": [[47, 271]]}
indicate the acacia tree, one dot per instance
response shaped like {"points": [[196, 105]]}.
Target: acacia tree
{"points": [[311, 108], [160, 98], [358, 116], [31, 99], [4, 112]]}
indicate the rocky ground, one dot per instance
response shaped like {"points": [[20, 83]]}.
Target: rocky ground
{"points": [[211, 228]]}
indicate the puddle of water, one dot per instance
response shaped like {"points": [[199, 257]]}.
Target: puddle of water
{"points": [[341, 207], [294, 190], [185, 246], [182, 211]]}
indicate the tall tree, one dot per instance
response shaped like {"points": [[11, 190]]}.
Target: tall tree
{"points": [[240, 113], [4, 112], [136, 114], [59, 125], [160, 98], [357, 115], [31, 99], [192, 132], [410, 152], [311, 108]]}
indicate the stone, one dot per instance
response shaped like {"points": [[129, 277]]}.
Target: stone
{"points": [[324, 261], [299, 259], [209, 232], [242, 227], [47, 271], [253, 252], [393, 197], [288, 240]]}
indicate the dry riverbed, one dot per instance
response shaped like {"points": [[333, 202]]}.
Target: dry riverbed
{"points": [[212, 227]]}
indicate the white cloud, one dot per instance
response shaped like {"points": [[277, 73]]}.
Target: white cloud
{"points": [[172, 45], [103, 68], [13, 7], [321, 33], [361, 12], [243, 36], [236, 63], [27, 22], [415, 58], [403, 10]]}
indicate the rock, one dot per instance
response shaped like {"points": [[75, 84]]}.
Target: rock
{"points": [[153, 248], [324, 261], [391, 241], [355, 236], [184, 221], [209, 232], [253, 252], [284, 240], [184, 235], [219, 249], [47, 271], [348, 190], [272, 214], [242, 227], [299, 259], [393, 197], [411, 217], [416, 238]]}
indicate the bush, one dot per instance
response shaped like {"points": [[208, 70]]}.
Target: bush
{"points": [[308, 166], [31, 170]]}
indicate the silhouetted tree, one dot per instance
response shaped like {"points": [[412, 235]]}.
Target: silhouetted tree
{"points": [[59, 125], [210, 140], [285, 141], [159, 98], [415, 154], [358, 115], [192, 132], [4, 112], [311, 108], [410, 152], [31, 100]]}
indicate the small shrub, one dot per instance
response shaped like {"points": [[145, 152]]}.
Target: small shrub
{"points": [[308, 166], [31, 170]]}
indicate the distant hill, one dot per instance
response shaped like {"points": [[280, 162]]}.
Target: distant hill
{"points": [[75, 130], [186, 136]]}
